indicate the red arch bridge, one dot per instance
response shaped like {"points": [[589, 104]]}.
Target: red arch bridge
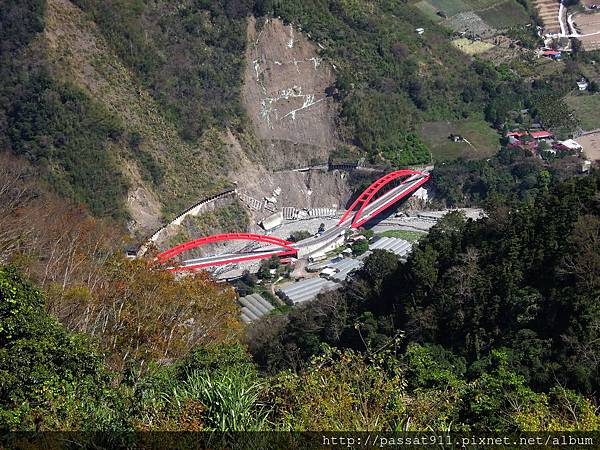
{"points": [[378, 197]]}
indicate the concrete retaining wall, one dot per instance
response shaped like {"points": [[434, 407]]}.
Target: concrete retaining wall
{"points": [[205, 205]]}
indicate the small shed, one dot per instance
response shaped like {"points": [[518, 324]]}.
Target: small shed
{"points": [[272, 221], [582, 84], [552, 54]]}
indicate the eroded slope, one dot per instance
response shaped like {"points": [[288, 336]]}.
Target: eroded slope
{"points": [[284, 94]]}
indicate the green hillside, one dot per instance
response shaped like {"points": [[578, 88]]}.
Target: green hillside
{"points": [[489, 325], [185, 63]]}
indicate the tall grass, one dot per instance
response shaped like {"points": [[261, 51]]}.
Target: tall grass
{"points": [[232, 400]]}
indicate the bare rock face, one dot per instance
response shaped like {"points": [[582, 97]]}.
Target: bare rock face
{"points": [[284, 95]]}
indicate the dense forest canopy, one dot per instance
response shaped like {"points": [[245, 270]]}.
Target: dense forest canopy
{"points": [[511, 174]]}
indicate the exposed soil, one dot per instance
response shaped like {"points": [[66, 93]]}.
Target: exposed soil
{"points": [[310, 189], [293, 120], [284, 95], [591, 145], [143, 205], [588, 23]]}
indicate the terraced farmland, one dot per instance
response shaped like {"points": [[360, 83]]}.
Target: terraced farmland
{"points": [[478, 17], [548, 12], [472, 47], [588, 25], [504, 15]]}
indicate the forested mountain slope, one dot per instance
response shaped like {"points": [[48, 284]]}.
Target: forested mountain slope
{"points": [[136, 109], [117, 112]]}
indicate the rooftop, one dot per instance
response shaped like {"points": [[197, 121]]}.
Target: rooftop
{"points": [[306, 290], [541, 134], [571, 144], [254, 307], [398, 246]]}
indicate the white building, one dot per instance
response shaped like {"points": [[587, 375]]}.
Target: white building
{"points": [[586, 166], [273, 221], [571, 145], [582, 84]]}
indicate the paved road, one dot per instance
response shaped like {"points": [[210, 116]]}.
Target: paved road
{"points": [[335, 232], [229, 257], [315, 242]]}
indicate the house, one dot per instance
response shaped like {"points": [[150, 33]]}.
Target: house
{"points": [[513, 140], [521, 140], [586, 166], [420, 30], [582, 84], [569, 145], [516, 134], [539, 135], [552, 54], [525, 143]]}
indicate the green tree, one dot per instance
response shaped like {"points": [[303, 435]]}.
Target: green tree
{"points": [[51, 379], [341, 390], [299, 235], [377, 266], [359, 247]]}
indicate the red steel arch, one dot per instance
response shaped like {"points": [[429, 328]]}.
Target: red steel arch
{"points": [[287, 248], [365, 198]]}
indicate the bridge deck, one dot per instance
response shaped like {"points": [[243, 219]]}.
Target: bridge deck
{"points": [[367, 213]]}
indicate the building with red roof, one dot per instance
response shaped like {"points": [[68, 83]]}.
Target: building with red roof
{"points": [[552, 54], [525, 144], [541, 134], [516, 133]]}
